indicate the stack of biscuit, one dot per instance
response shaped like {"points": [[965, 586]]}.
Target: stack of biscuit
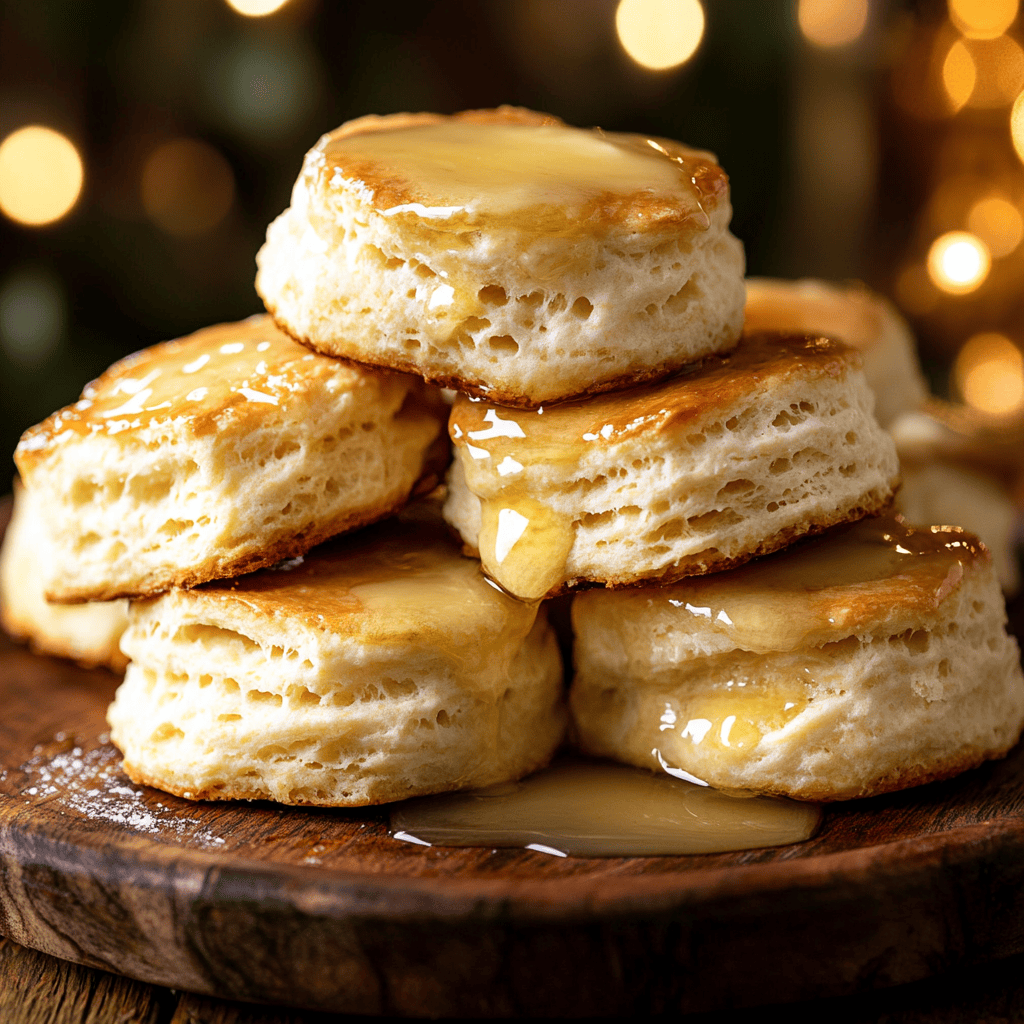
{"points": [[615, 430]]}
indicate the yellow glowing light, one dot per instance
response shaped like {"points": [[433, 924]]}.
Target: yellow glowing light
{"points": [[958, 74], [832, 22], [256, 8], [1017, 125], [998, 223], [958, 262], [40, 175], [187, 187], [989, 372], [999, 64], [983, 19], [660, 34]]}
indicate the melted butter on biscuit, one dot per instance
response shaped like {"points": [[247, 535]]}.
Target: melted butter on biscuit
{"points": [[401, 578], [528, 174], [230, 370], [502, 448], [854, 580]]}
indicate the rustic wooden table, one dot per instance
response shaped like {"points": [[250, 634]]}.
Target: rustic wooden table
{"points": [[39, 989]]}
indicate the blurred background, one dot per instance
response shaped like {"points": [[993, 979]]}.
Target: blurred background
{"points": [[146, 144]]}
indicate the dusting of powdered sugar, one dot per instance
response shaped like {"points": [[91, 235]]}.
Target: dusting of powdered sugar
{"points": [[88, 781]]}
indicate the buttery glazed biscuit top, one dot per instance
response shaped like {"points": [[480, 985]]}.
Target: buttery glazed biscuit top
{"points": [[555, 433], [513, 168], [873, 576], [399, 581], [220, 375]]}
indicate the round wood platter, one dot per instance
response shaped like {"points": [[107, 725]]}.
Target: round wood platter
{"points": [[321, 909]]}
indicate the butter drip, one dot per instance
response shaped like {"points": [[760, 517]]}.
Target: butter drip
{"points": [[458, 170], [400, 579], [509, 455], [231, 369], [596, 809]]}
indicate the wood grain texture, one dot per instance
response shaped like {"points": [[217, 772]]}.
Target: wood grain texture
{"points": [[37, 989], [321, 909]]}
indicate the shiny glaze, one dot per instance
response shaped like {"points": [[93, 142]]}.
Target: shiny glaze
{"points": [[402, 578], [875, 573], [220, 373], [732, 718], [500, 447], [516, 168], [596, 809]]}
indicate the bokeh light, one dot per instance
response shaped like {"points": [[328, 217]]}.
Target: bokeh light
{"points": [[187, 187], [983, 19], [989, 373], [958, 262], [1017, 125], [660, 34], [40, 175], [256, 8], [32, 316], [265, 88], [830, 23], [959, 74], [1000, 71], [998, 223]]}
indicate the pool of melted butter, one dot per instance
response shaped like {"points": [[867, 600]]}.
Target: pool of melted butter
{"points": [[582, 808]]}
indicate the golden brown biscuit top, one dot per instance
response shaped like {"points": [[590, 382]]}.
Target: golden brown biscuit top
{"points": [[878, 573], [718, 382], [515, 167], [401, 580], [851, 313], [226, 372]]}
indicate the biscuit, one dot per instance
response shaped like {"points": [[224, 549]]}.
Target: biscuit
{"points": [[863, 662], [955, 470], [735, 457], [376, 668], [854, 314], [505, 254], [86, 633], [218, 454]]}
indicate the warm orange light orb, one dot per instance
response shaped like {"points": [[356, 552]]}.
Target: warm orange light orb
{"points": [[187, 187], [983, 19], [830, 23], [660, 34], [40, 175], [989, 373], [1017, 125], [998, 223], [256, 8], [958, 262], [959, 74]]}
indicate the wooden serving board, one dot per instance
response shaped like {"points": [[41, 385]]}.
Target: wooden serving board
{"points": [[321, 909]]}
